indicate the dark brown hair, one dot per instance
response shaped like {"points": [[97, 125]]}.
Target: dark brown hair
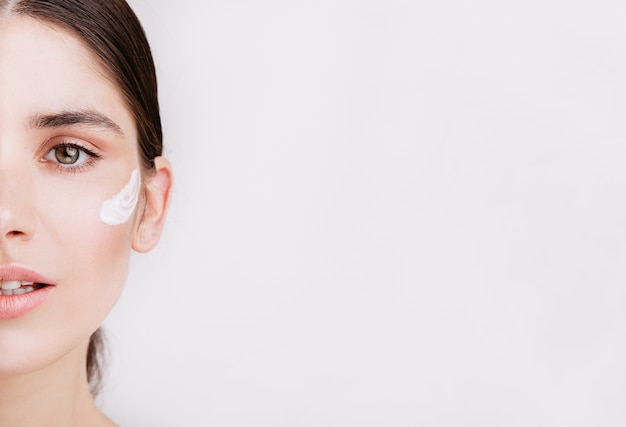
{"points": [[112, 32]]}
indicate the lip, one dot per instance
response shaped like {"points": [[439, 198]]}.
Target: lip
{"points": [[12, 306]]}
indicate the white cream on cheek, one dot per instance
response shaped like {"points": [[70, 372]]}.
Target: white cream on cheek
{"points": [[119, 208]]}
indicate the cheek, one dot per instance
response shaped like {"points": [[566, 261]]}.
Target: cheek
{"points": [[95, 262], [73, 206], [75, 223], [90, 257]]}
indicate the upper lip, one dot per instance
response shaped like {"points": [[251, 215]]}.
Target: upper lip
{"points": [[13, 272]]}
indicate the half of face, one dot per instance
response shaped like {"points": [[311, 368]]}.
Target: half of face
{"points": [[72, 203]]}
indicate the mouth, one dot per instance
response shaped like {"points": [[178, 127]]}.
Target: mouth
{"points": [[22, 290], [19, 287]]}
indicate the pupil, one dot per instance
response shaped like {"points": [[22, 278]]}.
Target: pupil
{"points": [[67, 154]]}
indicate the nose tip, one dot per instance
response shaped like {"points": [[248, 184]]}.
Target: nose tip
{"points": [[14, 222]]}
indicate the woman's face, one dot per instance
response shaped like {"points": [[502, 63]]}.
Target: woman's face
{"points": [[67, 144]]}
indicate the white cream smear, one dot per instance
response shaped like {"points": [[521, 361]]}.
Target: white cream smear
{"points": [[119, 208]]}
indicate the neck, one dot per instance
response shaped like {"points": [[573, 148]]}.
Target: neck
{"points": [[53, 396]]}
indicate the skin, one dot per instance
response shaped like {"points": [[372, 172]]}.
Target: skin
{"points": [[49, 217]]}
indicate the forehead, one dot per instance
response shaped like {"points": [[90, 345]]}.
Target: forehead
{"points": [[44, 67]]}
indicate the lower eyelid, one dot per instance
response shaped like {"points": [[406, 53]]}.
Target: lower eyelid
{"points": [[75, 168]]}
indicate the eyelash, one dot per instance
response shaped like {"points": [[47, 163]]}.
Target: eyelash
{"points": [[73, 168]]}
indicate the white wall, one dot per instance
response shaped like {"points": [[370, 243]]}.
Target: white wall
{"points": [[387, 213]]}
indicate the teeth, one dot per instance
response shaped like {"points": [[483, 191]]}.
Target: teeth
{"points": [[16, 287], [14, 284]]}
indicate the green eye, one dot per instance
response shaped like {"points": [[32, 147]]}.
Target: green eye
{"points": [[67, 154]]}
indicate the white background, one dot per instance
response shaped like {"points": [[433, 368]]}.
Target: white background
{"points": [[386, 213]]}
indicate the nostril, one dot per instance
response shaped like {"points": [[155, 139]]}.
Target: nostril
{"points": [[16, 235], [17, 221]]}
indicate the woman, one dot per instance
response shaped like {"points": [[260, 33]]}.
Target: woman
{"points": [[82, 182]]}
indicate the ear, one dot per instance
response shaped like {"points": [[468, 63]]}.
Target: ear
{"points": [[157, 198]]}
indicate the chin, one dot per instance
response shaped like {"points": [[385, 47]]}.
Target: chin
{"points": [[26, 350]]}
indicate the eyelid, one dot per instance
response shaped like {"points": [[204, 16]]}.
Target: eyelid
{"points": [[61, 140]]}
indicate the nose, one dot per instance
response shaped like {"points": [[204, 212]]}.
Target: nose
{"points": [[16, 207]]}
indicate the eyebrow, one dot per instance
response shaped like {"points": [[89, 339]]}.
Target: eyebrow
{"points": [[73, 118]]}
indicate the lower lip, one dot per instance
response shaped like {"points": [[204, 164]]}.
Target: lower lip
{"points": [[12, 306]]}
